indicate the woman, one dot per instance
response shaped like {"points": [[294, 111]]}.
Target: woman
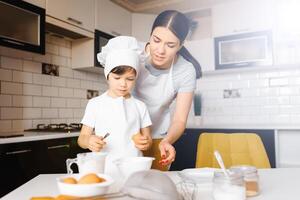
{"points": [[170, 74]]}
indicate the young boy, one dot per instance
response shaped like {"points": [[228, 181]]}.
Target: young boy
{"points": [[117, 112]]}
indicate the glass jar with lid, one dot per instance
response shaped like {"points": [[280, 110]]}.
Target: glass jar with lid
{"points": [[229, 188], [251, 178]]}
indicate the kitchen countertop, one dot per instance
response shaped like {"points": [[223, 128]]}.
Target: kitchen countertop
{"points": [[34, 136], [275, 184]]}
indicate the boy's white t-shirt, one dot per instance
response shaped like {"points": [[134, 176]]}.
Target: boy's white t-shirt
{"points": [[120, 117]]}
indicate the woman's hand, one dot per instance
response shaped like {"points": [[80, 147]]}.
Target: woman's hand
{"points": [[167, 153], [95, 143], [142, 142]]}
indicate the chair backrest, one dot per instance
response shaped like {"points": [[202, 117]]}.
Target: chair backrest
{"points": [[235, 149]]}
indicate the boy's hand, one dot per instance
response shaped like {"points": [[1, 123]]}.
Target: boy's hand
{"points": [[96, 143], [142, 142]]}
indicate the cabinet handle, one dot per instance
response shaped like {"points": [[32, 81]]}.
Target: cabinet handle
{"points": [[75, 20], [18, 152], [59, 146]]}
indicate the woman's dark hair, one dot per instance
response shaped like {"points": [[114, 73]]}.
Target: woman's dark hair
{"points": [[179, 24], [122, 69]]}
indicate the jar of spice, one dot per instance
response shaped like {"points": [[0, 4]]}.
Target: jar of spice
{"points": [[228, 188], [250, 177]]}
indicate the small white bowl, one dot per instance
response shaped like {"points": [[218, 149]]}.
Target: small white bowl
{"points": [[129, 165], [84, 190]]}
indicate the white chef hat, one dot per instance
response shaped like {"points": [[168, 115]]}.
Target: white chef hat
{"points": [[121, 50]]}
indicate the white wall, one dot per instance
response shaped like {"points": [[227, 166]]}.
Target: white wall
{"points": [[141, 26]]}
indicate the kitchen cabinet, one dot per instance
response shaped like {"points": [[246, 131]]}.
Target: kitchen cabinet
{"points": [[22, 161], [112, 19], [74, 15], [241, 16], [19, 164]]}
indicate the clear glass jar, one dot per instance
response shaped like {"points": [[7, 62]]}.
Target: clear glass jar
{"points": [[232, 188], [251, 178]]}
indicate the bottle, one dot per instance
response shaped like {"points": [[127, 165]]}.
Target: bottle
{"points": [[229, 188], [250, 177]]}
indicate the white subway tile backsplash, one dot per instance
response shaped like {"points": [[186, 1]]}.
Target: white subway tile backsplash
{"points": [[73, 103], [65, 52], [78, 113], [289, 109], [11, 88], [83, 103], [240, 84], [58, 102], [270, 110], [11, 113], [279, 100], [41, 79], [65, 92], [28, 98], [5, 75], [258, 83], [20, 125], [86, 84], [30, 66], [79, 93], [32, 113], [42, 58], [269, 91], [22, 101], [58, 81], [73, 83], [41, 102], [30, 89], [58, 60], [65, 113], [49, 113], [65, 72], [15, 53], [23, 77], [5, 126], [5, 100], [35, 122], [290, 91], [295, 100], [280, 119], [278, 82], [52, 49], [295, 119], [79, 74], [11, 63], [50, 91]]}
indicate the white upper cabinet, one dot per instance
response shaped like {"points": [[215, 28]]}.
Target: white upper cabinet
{"points": [[112, 19], [241, 16], [80, 13], [39, 3]]}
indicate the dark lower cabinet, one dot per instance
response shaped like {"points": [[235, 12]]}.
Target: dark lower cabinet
{"points": [[22, 161]]}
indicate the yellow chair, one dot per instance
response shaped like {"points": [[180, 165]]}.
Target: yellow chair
{"points": [[235, 149]]}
